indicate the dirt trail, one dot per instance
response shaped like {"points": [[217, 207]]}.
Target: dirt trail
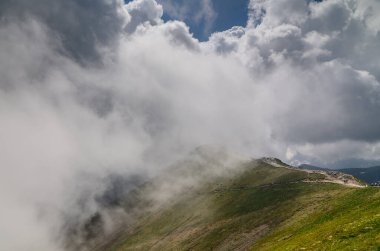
{"points": [[330, 176], [337, 178]]}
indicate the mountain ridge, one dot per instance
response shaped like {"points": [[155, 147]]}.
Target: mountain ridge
{"points": [[266, 205]]}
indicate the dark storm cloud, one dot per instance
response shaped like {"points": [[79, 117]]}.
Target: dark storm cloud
{"points": [[324, 55], [82, 26]]}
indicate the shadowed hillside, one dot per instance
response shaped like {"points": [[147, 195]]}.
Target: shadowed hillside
{"points": [[266, 205]]}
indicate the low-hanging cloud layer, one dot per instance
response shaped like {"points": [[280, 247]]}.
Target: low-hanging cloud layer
{"points": [[93, 88]]}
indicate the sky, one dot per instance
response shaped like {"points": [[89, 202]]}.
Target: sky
{"points": [[96, 89], [217, 15], [206, 17]]}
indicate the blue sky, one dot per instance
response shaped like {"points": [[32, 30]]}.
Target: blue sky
{"points": [[224, 14], [228, 13]]}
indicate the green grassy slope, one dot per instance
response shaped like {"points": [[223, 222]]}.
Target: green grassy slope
{"points": [[348, 221], [263, 208]]}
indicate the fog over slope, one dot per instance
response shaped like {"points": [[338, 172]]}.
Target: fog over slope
{"points": [[91, 89]]}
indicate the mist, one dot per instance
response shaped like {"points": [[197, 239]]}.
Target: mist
{"points": [[98, 93]]}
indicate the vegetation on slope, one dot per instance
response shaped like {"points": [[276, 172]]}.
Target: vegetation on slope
{"points": [[265, 207], [347, 221]]}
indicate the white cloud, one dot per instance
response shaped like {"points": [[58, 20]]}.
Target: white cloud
{"points": [[368, 10], [143, 12], [300, 79]]}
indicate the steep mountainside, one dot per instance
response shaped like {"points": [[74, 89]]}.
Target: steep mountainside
{"points": [[267, 205]]}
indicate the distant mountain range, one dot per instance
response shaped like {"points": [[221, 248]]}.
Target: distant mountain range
{"points": [[369, 174]]}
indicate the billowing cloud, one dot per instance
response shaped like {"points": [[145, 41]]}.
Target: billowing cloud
{"points": [[97, 89], [317, 66], [83, 27], [141, 12]]}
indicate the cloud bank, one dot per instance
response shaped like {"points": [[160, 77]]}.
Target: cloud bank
{"points": [[91, 89]]}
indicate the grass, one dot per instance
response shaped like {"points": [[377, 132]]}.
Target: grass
{"points": [[349, 222], [263, 208]]}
